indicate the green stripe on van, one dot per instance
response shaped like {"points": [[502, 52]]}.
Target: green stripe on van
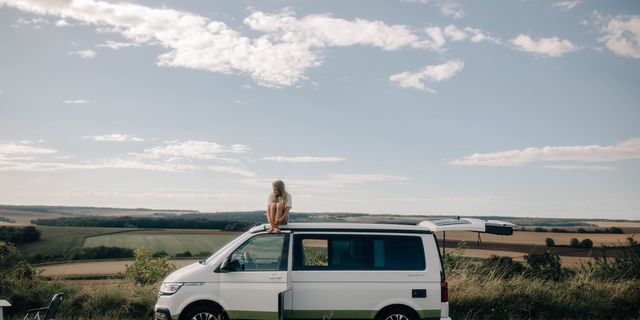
{"points": [[321, 314]]}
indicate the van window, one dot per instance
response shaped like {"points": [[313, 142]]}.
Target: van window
{"points": [[267, 252], [358, 252]]}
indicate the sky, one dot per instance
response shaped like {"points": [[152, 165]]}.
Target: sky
{"points": [[517, 108]]}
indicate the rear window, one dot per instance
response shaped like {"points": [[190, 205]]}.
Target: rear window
{"points": [[358, 252]]}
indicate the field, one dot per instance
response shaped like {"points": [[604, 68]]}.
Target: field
{"points": [[62, 240], [170, 241], [97, 268]]}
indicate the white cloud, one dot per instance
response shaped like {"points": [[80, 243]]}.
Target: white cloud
{"points": [[117, 45], [279, 57], [115, 137], [202, 150], [581, 167], [565, 5], [62, 23], [230, 169], [448, 8], [76, 101], [303, 159], [35, 22], [432, 73], [85, 54], [473, 34], [625, 150], [22, 148], [621, 35], [551, 47]]}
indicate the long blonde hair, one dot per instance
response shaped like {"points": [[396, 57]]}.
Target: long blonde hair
{"points": [[279, 186]]}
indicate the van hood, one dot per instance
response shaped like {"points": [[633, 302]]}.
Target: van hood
{"points": [[196, 272]]}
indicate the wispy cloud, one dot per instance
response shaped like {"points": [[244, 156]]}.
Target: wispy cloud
{"points": [[117, 45], [62, 23], [550, 47], [581, 167], [85, 54], [621, 34], [565, 5], [431, 73], [115, 137], [22, 148], [202, 150], [303, 159], [448, 8], [453, 33], [625, 150], [76, 101]]}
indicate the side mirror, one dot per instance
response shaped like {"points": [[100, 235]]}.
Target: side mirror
{"points": [[224, 266]]}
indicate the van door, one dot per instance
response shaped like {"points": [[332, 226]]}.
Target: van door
{"points": [[257, 274]]}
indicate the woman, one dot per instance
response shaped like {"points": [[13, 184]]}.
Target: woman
{"points": [[278, 206]]}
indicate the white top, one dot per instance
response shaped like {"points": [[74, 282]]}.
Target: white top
{"points": [[289, 201]]}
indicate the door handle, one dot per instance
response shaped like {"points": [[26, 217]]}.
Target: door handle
{"points": [[275, 278]]}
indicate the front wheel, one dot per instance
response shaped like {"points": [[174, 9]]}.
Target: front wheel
{"points": [[204, 313], [399, 313]]}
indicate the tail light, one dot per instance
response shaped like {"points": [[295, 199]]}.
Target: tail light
{"points": [[444, 292]]}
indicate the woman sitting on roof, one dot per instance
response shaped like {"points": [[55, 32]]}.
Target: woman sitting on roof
{"points": [[278, 206]]}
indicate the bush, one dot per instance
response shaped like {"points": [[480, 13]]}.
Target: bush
{"points": [[146, 269], [625, 266], [545, 266], [586, 243], [19, 235], [185, 254], [501, 267], [574, 243], [550, 243], [159, 254]]}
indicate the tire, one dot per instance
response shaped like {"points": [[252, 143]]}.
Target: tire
{"points": [[397, 313], [204, 313]]}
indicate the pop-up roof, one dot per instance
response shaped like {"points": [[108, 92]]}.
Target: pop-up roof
{"points": [[470, 224]]}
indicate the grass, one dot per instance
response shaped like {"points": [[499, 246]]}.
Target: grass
{"points": [[62, 240], [169, 243]]}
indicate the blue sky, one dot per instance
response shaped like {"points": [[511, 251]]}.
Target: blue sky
{"points": [[524, 108]]}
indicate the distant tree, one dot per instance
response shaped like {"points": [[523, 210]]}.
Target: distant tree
{"points": [[159, 254], [615, 230], [550, 242], [184, 254], [586, 243], [574, 243], [581, 230], [539, 229]]}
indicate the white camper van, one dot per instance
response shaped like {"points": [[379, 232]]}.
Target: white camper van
{"points": [[317, 271]]}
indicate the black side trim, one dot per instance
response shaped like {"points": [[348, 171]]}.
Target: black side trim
{"points": [[504, 231], [162, 311]]}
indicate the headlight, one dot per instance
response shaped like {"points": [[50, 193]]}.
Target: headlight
{"points": [[169, 288]]}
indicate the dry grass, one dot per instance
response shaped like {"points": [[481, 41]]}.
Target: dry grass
{"points": [[97, 268]]}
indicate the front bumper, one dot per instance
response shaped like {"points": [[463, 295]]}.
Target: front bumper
{"points": [[162, 314]]}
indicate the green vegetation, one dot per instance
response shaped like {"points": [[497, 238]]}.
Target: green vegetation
{"points": [[610, 230], [172, 244], [19, 235], [500, 288], [177, 222], [146, 269], [550, 242], [102, 252], [586, 243], [59, 243]]}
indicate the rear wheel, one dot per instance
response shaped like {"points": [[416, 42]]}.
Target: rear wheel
{"points": [[397, 313], [204, 313]]}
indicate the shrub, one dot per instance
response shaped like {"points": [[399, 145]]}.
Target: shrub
{"points": [[101, 252], [19, 235], [545, 266], [626, 266], [574, 243], [586, 243], [184, 254], [146, 269], [501, 267], [159, 254], [550, 243]]}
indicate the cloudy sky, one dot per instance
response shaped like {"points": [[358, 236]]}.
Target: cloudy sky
{"points": [[525, 108]]}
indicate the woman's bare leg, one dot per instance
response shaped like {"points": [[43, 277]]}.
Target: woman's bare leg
{"points": [[279, 213], [271, 215]]}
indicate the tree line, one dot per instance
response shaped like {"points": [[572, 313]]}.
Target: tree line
{"points": [[19, 235], [145, 222]]}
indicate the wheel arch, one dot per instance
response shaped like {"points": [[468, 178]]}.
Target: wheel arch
{"points": [[201, 303], [397, 306]]}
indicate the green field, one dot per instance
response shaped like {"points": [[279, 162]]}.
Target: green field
{"points": [[62, 240], [170, 243]]}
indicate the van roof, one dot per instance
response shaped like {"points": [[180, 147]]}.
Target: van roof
{"points": [[336, 226]]}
